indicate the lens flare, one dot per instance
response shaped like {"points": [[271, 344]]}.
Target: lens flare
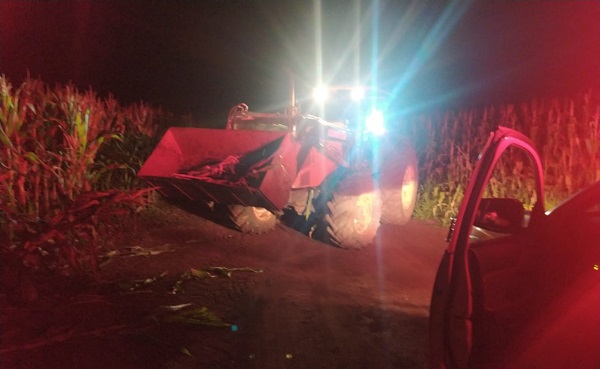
{"points": [[320, 93], [375, 122], [357, 94]]}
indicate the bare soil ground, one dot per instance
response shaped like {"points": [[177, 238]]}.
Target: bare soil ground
{"points": [[283, 301]]}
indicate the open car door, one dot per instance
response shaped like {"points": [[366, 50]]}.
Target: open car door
{"points": [[477, 289]]}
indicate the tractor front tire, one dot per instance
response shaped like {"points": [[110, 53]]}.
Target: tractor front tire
{"points": [[251, 219], [352, 221], [399, 182]]}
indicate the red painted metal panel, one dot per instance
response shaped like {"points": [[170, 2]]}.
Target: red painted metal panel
{"points": [[278, 180], [315, 168], [187, 147], [254, 168]]}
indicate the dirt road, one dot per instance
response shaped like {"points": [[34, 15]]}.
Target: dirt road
{"points": [[293, 302]]}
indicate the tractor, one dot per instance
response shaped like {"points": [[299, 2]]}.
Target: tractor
{"points": [[330, 178]]}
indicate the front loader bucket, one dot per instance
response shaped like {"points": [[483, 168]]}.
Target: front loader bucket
{"points": [[251, 168]]}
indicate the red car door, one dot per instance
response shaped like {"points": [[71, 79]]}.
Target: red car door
{"points": [[475, 288]]}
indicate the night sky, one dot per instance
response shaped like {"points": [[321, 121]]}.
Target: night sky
{"points": [[203, 57]]}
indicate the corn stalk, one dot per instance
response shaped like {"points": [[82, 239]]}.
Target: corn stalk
{"points": [[54, 188], [565, 132]]}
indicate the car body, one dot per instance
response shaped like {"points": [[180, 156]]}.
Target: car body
{"points": [[516, 288]]}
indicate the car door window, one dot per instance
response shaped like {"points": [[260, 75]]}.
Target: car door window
{"points": [[513, 177], [508, 198]]}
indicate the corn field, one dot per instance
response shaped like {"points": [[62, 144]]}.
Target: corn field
{"points": [[67, 169], [68, 163], [564, 131]]}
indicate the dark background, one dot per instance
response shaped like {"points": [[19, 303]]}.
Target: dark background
{"points": [[201, 58]]}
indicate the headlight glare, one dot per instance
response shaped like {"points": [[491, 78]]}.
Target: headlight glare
{"points": [[320, 94], [375, 122]]}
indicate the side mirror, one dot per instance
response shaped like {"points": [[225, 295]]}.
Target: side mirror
{"points": [[500, 215]]}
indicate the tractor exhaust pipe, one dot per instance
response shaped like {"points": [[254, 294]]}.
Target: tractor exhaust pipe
{"points": [[292, 89]]}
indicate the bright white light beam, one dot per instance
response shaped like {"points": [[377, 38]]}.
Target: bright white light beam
{"points": [[321, 93], [357, 94], [375, 122]]}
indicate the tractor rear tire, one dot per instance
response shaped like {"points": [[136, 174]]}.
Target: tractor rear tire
{"points": [[399, 182], [353, 217], [251, 219]]}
